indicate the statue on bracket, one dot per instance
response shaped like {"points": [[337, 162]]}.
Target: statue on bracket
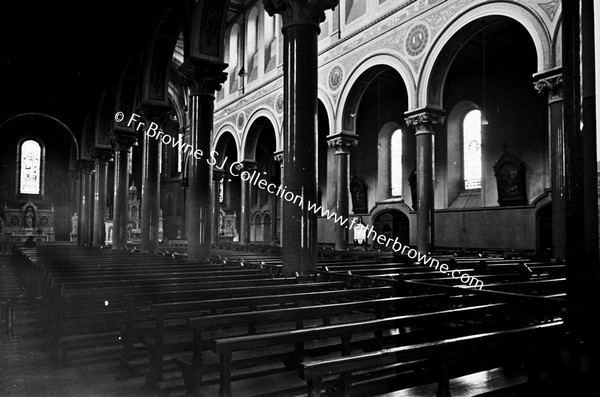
{"points": [[412, 182], [358, 189], [510, 179]]}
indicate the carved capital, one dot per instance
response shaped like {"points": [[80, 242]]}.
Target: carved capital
{"points": [[247, 165], [122, 139], [300, 12], [342, 142], [424, 119], [218, 175], [85, 166], [102, 155], [550, 83], [203, 77]]}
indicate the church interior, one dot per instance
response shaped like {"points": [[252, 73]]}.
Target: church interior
{"points": [[299, 197]]}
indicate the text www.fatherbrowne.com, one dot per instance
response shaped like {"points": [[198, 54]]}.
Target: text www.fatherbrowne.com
{"points": [[153, 131]]}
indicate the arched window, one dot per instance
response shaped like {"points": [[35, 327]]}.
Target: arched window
{"points": [[180, 154], [221, 190], [233, 47], [30, 167], [252, 45], [252, 35], [270, 42], [233, 58], [471, 133], [269, 28], [396, 162]]}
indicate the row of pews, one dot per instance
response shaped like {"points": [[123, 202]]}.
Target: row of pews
{"points": [[234, 324]]}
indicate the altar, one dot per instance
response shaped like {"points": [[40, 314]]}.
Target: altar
{"points": [[18, 224], [133, 220]]}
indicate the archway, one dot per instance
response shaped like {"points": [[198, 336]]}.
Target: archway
{"points": [[375, 109], [229, 187], [56, 175], [259, 147], [392, 224]]}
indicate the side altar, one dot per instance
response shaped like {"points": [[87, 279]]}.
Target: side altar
{"points": [[133, 220], [18, 224]]}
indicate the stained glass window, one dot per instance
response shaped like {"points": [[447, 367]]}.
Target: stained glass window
{"points": [[180, 155], [221, 191], [396, 162], [31, 160], [472, 150]]}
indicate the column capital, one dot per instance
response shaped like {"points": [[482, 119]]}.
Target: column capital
{"points": [[426, 115], [300, 12], [102, 155], [203, 77], [550, 82], [85, 165], [247, 165], [278, 156], [342, 142], [122, 139], [218, 175], [154, 112]]}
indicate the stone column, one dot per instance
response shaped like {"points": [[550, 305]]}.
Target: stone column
{"points": [[342, 144], [581, 228], [550, 83], [122, 140], [250, 167], [101, 157], [204, 78], [154, 116], [218, 176], [84, 226], [424, 120], [278, 157], [300, 30]]}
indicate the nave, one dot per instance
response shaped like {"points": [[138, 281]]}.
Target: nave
{"points": [[92, 321]]}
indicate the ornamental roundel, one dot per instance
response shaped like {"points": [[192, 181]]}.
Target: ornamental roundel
{"points": [[416, 40], [241, 120], [335, 77], [279, 103]]}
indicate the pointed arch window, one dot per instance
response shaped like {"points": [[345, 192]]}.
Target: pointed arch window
{"points": [[471, 133], [396, 162], [30, 155]]}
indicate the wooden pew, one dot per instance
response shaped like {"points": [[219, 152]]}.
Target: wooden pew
{"points": [[315, 371], [281, 318], [139, 316], [225, 347]]}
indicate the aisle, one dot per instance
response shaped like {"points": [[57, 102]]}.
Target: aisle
{"points": [[26, 367]]}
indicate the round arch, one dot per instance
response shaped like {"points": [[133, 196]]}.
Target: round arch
{"points": [[324, 98], [557, 43], [389, 59], [251, 140], [53, 119], [253, 130], [431, 83], [225, 134]]}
